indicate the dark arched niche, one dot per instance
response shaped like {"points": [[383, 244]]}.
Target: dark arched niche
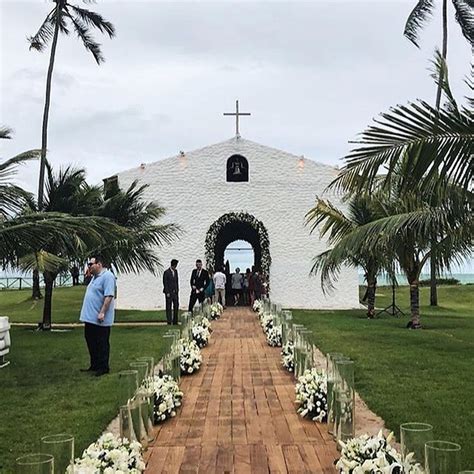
{"points": [[237, 169]]}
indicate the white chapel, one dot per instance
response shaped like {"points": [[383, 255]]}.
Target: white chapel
{"points": [[239, 190]]}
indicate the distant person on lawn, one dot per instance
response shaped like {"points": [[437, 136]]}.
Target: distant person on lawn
{"points": [[171, 291], [97, 314]]}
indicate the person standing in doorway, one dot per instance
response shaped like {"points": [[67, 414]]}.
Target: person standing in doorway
{"points": [[199, 281], [220, 281], [98, 314], [171, 291], [236, 285], [210, 289]]}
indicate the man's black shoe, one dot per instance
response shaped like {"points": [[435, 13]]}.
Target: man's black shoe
{"points": [[90, 369], [101, 372]]}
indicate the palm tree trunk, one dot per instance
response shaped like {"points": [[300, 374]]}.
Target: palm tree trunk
{"points": [[49, 278], [44, 131], [415, 304], [36, 290], [371, 285], [444, 54]]}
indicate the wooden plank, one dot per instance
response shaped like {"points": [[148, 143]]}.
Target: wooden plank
{"points": [[190, 462], [225, 458], [173, 459], [293, 459], [310, 457], [258, 459], [242, 462], [207, 463], [276, 460], [157, 459]]}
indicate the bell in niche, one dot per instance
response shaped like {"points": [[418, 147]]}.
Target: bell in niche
{"points": [[237, 171]]}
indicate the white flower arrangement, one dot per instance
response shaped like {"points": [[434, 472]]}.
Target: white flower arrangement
{"points": [[216, 310], [311, 395], [374, 455], [190, 356], [266, 321], [274, 336], [110, 455], [201, 334], [288, 356], [257, 306], [168, 398]]}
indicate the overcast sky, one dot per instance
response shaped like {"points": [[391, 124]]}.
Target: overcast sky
{"points": [[312, 74]]}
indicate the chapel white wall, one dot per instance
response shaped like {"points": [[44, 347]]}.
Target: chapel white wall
{"points": [[281, 189]]}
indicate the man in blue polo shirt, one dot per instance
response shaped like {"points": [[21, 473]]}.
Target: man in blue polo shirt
{"points": [[97, 314]]}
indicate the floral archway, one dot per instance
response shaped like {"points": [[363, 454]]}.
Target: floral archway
{"points": [[238, 226]]}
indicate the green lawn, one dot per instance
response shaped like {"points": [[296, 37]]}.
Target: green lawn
{"points": [[67, 302], [43, 392], [406, 375]]}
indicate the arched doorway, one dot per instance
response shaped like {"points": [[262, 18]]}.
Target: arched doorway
{"points": [[238, 226]]}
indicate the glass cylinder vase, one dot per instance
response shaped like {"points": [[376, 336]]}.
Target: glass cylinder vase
{"points": [[126, 425], [151, 365], [128, 384], [413, 437], [36, 463], [344, 422], [137, 422], [331, 358], [442, 457], [61, 447], [142, 370]]}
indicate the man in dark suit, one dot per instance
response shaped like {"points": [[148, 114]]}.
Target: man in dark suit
{"points": [[199, 282], [171, 290]]}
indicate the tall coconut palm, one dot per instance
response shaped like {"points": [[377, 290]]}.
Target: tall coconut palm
{"points": [[415, 22], [61, 19], [336, 224]]}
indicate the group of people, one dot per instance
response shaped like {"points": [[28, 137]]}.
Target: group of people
{"points": [[98, 310], [210, 286]]}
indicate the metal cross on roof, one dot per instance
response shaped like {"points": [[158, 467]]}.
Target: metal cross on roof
{"points": [[237, 115]]}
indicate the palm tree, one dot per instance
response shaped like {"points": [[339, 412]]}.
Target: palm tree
{"points": [[409, 224], [130, 247], [337, 224], [130, 210], [60, 19], [415, 22]]}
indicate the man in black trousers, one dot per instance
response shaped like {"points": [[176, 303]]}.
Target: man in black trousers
{"points": [[171, 290], [199, 282]]}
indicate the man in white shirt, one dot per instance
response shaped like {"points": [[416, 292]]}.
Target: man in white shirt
{"points": [[219, 284]]}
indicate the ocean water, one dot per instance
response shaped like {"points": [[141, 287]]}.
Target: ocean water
{"points": [[464, 278]]}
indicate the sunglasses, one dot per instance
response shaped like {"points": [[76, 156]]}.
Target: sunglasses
{"points": [[89, 264]]}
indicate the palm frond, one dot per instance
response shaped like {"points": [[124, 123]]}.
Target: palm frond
{"points": [[465, 18], [331, 218], [440, 75], [43, 36], [43, 261], [56, 233], [437, 143], [95, 20], [87, 40], [5, 133], [417, 19]]}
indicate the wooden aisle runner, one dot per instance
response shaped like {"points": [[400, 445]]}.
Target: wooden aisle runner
{"points": [[238, 412]]}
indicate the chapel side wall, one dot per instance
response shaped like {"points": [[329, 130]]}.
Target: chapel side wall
{"points": [[279, 186]]}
